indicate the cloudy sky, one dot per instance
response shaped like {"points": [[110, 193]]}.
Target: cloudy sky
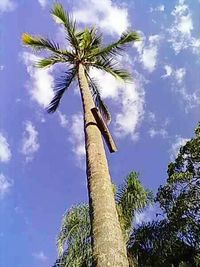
{"points": [[42, 156]]}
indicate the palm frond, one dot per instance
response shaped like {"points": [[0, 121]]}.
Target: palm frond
{"points": [[61, 16], [96, 37], [118, 46], [110, 66], [39, 43], [74, 241], [92, 42], [50, 61], [131, 197], [98, 100], [61, 86]]}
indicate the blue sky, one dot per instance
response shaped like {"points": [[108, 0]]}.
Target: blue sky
{"points": [[42, 156]]}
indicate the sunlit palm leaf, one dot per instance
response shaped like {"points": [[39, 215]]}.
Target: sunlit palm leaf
{"points": [[116, 47], [61, 86], [61, 16], [50, 61], [40, 43], [98, 100], [89, 41], [110, 66]]}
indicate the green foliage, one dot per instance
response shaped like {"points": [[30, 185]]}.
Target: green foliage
{"points": [[110, 66], [74, 240], [180, 197], [85, 48], [131, 197], [61, 86], [116, 47], [75, 236], [175, 239], [157, 244]]}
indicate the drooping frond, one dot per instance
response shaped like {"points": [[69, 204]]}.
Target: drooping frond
{"points": [[74, 241], [131, 197], [110, 66], [61, 86], [116, 47], [62, 17], [40, 43], [98, 100]]}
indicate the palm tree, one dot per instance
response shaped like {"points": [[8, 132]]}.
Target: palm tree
{"points": [[74, 239], [86, 52]]}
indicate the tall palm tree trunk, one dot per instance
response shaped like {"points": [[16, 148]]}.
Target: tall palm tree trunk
{"points": [[108, 245]]}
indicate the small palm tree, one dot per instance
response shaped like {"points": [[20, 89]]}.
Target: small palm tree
{"points": [[86, 51], [74, 240]]}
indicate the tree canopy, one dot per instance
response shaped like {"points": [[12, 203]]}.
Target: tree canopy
{"points": [[175, 239], [85, 47]]}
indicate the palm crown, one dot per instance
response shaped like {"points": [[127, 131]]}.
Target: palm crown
{"points": [[85, 48]]}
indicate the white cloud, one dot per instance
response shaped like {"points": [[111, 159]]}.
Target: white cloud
{"points": [[191, 98], [43, 3], [7, 5], [159, 8], [168, 70], [181, 30], [40, 256], [41, 81], [30, 143], [132, 110], [1, 67], [77, 138], [148, 51], [174, 150], [105, 14], [5, 152], [151, 117], [5, 185], [177, 74], [161, 132], [195, 46], [62, 119], [148, 58], [110, 86], [128, 97], [147, 215]]}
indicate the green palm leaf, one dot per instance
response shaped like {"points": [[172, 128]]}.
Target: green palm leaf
{"points": [[115, 48], [50, 61], [131, 197], [75, 235], [61, 16], [61, 86], [111, 66], [40, 43]]}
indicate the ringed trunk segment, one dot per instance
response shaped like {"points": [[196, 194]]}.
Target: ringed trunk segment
{"points": [[108, 245]]}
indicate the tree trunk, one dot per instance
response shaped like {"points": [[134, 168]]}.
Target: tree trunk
{"points": [[108, 245]]}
